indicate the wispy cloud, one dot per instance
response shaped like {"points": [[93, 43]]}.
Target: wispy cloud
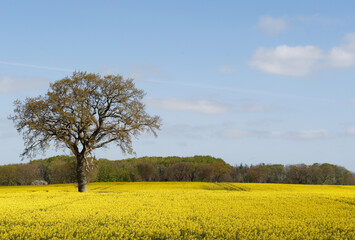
{"points": [[239, 90], [230, 133], [313, 134], [187, 131], [140, 71], [318, 19], [299, 61], [13, 85], [295, 135], [257, 107], [150, 73], [351, 130], [144, 71], [263, 122], [271, 25], [107, 70], [236, 133], [192, 105], [36, 66], [226, 69], [352, 101]]}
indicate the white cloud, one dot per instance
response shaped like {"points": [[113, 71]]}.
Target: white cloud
{"points": [[193, 105], [343, 55], [301, 60], [12, 84], [352, 101], [226, 69], [272, 25], [351, 130], [286, 60], [256, 107]]}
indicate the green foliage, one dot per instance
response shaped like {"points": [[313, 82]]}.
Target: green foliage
{"points": [[61, 169], [167, 161]]}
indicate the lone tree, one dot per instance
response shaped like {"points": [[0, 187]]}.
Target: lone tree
{"points": [[84, 112]]}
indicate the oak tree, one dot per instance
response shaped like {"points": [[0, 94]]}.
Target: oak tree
{"points": [[84, 112]]}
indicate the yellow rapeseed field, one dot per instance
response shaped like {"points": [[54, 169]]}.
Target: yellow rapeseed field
{"points": [[174, 210]]}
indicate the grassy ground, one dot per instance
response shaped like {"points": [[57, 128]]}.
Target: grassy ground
{"points": [[173, 210]]}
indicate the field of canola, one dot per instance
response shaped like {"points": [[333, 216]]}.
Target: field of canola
{"points": [[178, 211]]}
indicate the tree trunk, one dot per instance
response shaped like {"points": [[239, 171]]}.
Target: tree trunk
{"points": [[81, 175]]}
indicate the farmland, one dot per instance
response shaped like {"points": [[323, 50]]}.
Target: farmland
{"points": [[178, 210]]}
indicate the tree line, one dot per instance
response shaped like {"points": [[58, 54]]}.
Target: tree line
{"points": [[62, 169]]}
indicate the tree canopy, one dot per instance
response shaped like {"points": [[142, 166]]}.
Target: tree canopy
{"points": [[84, 112]]}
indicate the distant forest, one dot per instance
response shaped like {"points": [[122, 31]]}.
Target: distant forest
{"points": [[61, 169]]}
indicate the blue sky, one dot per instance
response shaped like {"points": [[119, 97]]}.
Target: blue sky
{"points": [[247, 81]]}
